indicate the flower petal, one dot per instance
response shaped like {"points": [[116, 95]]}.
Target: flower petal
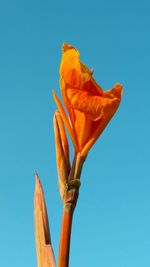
{"points": [[72, 71], [82, 127], [95, 106], [116, 91], [102, 122]]}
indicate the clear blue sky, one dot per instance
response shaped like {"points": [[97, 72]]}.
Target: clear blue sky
{"points": [[111, 226]]}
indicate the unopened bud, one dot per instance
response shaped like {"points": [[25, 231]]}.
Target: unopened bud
{"points": [[62, 152]]}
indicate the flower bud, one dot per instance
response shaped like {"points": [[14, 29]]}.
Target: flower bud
{"points": [[62, 152]]}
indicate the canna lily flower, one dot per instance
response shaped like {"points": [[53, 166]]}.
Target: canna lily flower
{"points": [[89, 107]]}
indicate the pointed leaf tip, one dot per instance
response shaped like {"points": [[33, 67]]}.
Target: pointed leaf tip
{"points": [[38, 186]]}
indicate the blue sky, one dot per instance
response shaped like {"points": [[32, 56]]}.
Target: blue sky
{"points": [[111, 221]]}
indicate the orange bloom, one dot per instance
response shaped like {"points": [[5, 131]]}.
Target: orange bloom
{"points": [[89, 107]]}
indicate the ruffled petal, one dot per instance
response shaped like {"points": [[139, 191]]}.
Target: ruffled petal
{"points": [[98, 127], [72, 71], [94, 106], [116, 91]]}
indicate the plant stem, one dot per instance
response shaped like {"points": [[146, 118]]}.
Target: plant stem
{"points": [[64, 249]]}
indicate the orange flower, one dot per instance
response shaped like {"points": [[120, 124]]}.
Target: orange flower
{"points": [[89, 107]]}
